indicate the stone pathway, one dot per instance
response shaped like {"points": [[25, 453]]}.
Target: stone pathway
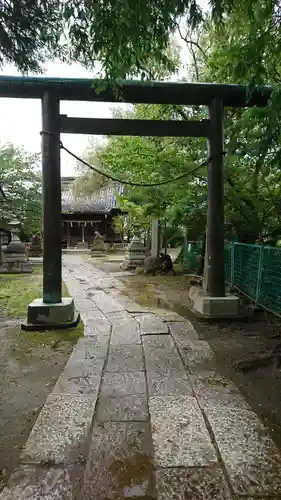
{"points": [[140, 412]]}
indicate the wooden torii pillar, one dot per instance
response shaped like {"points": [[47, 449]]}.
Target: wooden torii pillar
{"points": [[51, 176], [214, 266], [52, 311]]}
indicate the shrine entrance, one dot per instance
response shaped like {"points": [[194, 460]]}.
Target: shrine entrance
{"points": [[51, 91]]}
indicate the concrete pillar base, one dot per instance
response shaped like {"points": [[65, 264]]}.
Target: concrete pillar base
{"points": [[214, 307], [42, 316], [97, 254], [82, 245]]}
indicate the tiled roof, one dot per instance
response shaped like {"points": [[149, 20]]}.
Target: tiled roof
{"points": [[2, 194], [103, 201]]}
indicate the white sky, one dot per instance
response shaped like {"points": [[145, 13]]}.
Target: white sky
{"points": [[21, 118]]}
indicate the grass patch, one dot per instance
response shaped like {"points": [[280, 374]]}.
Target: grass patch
{"points": [[16, 292], [25, 346]]}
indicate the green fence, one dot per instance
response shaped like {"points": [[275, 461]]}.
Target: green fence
{"points": [[254, 270]]}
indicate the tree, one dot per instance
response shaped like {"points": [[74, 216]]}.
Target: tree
{"points": [[154, 160], [252, 186], [124, 36], [30, 32], [252, 181], [88, 181], [21, 182], [249, 53]]}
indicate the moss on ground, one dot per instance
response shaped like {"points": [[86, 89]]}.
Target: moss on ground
{"points": [[25, 346], [16, 292]]}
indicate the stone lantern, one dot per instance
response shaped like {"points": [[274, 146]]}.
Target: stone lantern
{"points": [[14, 255], [135, 254], [98, 246]]}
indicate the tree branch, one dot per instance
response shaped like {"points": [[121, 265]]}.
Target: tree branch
{"points": [[191, 42]]}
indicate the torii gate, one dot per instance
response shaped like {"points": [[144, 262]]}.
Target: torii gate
{"points": [[53, 310]]}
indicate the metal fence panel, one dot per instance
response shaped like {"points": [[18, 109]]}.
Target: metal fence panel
{"points": [[269, 293], [227, 263], [246, 266], [254, 270]]}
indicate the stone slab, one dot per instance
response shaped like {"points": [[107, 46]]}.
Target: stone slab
{"points": [[159, 341], [180, 437], [88, 385], [183, 330], [93, 327], [252, 460], [122, 408], [79, 367], [91, 314], [39, 483], [80, 277], [122, 299], [197, 355], [61, 431], [90, 348], [125, 331], [101, 283], [120, 462], [128, 358], [122, 384], [159, 385], [85, 305], [150, 324], [106, 304], [164, 362], [133, 307], [113, 316], [168, 315], [211, 386], [198, 483]]}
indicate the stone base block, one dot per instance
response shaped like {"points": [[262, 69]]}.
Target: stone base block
{"points": [[97, 255], [130, 266], [82, 245], [16, 268], [42, 316], [32, 252], [214, 307], [132, 263]]}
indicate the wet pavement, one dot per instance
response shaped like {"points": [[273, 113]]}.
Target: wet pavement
{"points": [[141, 412]]}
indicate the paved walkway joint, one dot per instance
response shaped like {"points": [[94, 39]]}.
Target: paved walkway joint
{"points": [[140, 411]]}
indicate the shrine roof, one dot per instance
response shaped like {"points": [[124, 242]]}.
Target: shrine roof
{"points": [[102, 201]]}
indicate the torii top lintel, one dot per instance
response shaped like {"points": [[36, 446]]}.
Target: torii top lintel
{"points": [[133, 91]]}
